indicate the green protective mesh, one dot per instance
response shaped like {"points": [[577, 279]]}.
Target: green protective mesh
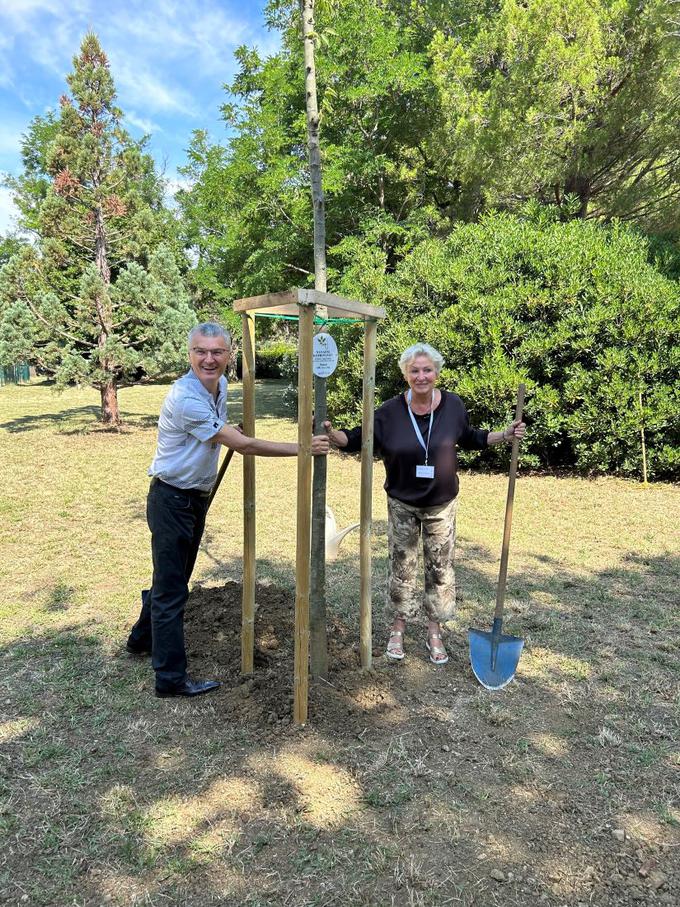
{"points": [[317, 319]]}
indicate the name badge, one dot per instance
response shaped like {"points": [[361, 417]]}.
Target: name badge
{"points": [[424, 472]]}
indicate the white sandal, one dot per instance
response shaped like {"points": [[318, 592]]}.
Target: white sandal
{"points": [[436, 650], [395, 650]]}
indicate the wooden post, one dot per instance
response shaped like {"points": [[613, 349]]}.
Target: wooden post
{"points": [[248, 606], [365, 614], [317, 604], [304, 501], [642, 439]]}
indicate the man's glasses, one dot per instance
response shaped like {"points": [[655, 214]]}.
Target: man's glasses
{"points": [[201, 353]]}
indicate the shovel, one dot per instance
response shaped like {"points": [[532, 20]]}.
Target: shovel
{"points": [[223, 468], [220, 475], [494, 655]]}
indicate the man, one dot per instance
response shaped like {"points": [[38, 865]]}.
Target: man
{"points": [[191, 428]]}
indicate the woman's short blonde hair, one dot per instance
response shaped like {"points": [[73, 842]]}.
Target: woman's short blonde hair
{"points": [[420, 349]]}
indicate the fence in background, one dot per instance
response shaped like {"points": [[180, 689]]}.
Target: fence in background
{"points": [[15, 374]]}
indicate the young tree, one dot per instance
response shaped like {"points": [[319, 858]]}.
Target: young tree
{"points": [[99, 298], [319, 642]]}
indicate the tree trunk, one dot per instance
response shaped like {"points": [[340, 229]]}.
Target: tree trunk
{"points": [[579, 185], [317, 601], [100, 247], [110, 414], [307, 8]]}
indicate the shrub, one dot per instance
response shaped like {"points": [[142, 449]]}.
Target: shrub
{"points": [[577, 311], [269, 358]]}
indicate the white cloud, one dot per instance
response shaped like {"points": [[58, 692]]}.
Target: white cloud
{"points": [[8, 212], [19, 10], [6, 68], [10, 138], [203, 34], [140, 86], [268, 44], [169, 61], [174, 184], [199, 35], [148, 127], [53, 48], [36, 33], [159, 50]]}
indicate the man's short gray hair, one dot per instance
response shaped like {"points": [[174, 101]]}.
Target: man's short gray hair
{"points": [[209, 329], [421, 349]]}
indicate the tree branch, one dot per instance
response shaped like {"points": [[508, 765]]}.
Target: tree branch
{"points": [[287, 264]]}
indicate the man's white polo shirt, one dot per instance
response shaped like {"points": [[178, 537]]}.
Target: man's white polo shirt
{"points": [[190, 417]]}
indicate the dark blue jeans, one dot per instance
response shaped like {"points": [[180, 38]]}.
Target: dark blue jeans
{"points": [[176, 518]]}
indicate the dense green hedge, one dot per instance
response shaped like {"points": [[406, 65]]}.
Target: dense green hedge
{"points": [[581, 313], [269, 359]]}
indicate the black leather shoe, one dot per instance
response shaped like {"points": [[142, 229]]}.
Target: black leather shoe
{"points": [[133, 649], [189, 688]]}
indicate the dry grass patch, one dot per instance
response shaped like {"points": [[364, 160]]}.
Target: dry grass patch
{"points": [[412, 785]]}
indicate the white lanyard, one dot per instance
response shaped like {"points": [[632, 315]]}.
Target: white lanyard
{"points": [[416, 428]]}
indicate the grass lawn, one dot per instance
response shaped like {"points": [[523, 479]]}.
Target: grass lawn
{"points": [[412, 785]]}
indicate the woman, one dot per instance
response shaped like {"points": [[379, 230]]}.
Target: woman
{"points": [[416, 435]]}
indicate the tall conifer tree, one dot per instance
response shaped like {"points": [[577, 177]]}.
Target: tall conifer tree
{"points": [[99, 299]]}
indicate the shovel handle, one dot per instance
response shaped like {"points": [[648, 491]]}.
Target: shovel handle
{"points": [[220, 475], [503, 573]]}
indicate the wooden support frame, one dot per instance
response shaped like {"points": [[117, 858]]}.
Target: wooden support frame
{"points": [[304, 514], [302, 304], [366, 502], [287, 302], [248, 608]]}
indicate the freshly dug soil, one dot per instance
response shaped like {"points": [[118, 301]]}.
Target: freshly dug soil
{"points": [[525, 796]]}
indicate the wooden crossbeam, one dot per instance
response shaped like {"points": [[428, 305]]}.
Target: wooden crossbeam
{"points": [[267, 301], [286, 303], [339, 303]]}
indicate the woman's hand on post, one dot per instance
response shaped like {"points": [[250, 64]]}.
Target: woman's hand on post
{"points": [[515, 429], [320, 445], [337, 438]]}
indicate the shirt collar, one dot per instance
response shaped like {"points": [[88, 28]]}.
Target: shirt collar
{"points": [[221, 385]]}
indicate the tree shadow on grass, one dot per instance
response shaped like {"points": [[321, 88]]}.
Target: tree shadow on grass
{"points": [[85, 415], [86, 419], [422, 769], [412, 785], [60, 597], [269, 403]]}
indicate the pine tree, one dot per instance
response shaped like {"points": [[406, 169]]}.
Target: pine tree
{"points": [[99, 299]]}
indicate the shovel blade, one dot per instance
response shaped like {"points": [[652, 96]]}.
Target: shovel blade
{"points": [[509, 648]]}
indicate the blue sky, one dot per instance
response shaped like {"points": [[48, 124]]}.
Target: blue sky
{"points": [[169, 61]]}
